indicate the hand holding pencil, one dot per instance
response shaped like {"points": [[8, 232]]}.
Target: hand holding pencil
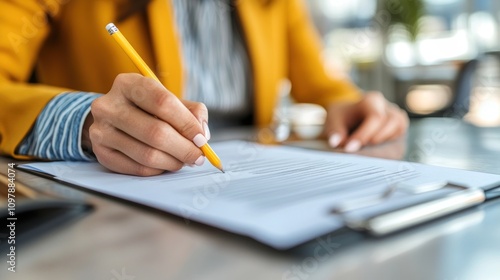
{"points": [[141, 128]]}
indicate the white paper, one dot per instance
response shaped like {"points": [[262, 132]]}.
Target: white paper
{"points": [[281, 196]]}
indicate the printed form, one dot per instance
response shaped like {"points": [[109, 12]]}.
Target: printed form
{"points": [[281, 196]]}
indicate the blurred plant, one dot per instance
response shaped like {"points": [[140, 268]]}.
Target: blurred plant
{"points": [[407, 13]]}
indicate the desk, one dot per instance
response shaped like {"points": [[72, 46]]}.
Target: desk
{"points": [[118, 240]]}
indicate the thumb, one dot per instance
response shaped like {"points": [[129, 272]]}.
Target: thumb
{"points": [[200, 111], [336, 129]]}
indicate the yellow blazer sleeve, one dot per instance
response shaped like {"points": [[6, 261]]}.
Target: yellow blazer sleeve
{"points": [[310, 80], [24, 28]]}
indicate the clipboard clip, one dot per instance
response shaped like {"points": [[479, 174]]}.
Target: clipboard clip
{"points": [[384, 223]]}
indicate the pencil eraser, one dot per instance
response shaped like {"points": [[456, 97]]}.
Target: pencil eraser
{"points": [[111, 28]]}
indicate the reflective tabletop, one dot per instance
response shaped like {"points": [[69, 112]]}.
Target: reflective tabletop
{"points": [[118, 240]]}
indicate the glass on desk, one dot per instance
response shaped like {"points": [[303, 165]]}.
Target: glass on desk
{"points": [[302, 121], [307, 120]]}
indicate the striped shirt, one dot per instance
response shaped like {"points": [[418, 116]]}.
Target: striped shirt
{"points": [[216, 70], [57, 132]]}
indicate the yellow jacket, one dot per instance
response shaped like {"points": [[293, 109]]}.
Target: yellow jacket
{"points": [[66, 43]]}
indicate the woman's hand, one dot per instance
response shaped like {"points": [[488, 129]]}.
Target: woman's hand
{"points": [[372, 120], [141, 128]]}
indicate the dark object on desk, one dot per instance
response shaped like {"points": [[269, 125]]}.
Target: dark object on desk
{"points": [[31, 214], [493, 193], [38, 217], [463, 85], [470, 76], [35, 217]]}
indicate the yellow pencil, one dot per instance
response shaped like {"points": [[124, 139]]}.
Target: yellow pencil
{"points": [[146, 71]]}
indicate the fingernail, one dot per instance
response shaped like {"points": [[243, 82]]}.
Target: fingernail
{"points": [[353, 146], [200, 161], [199, 140], [334, 140], [207, 130]]}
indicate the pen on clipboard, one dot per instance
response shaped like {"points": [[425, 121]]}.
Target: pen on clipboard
{"points": [[146, 71], [380, 224]]}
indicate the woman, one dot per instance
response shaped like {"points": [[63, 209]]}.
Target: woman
{"points": [[227, 55]]}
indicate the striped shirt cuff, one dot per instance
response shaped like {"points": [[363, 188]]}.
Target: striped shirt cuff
{"points": [[58, 129]]}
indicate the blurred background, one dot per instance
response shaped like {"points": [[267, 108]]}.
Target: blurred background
{"points": [[438, 58]]}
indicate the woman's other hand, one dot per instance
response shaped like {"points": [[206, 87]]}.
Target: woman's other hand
{"points": [[372, 120]]}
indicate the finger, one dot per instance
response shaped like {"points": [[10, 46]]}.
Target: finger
{"points": [[364, 133], [120, 163], [397, 123], [335, 128], [158, 134], [145, 128], [373, 107], [142, 153], [389, 129], [337, 134], [200, 111], [154, 98], [404, 124]]}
